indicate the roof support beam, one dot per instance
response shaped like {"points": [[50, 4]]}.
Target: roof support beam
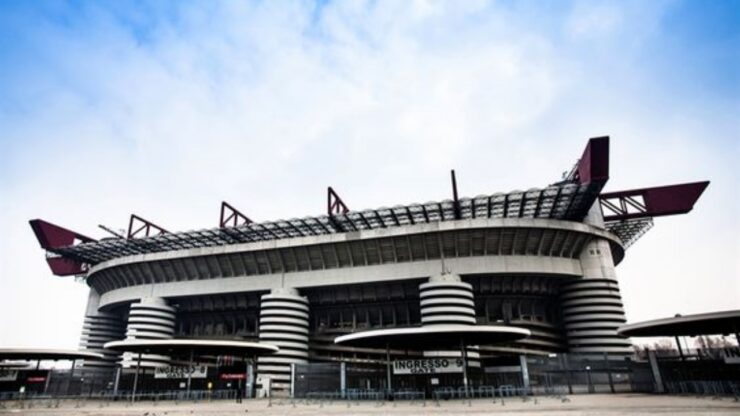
{"points": [[411, 217], [231, 217], [334, 204], [146, 226]]}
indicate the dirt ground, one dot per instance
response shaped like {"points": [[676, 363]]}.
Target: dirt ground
{"points": [[634, 404]]}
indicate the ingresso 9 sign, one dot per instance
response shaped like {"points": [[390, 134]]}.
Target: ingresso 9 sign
{"points": [[428, 366], [196, 371]]}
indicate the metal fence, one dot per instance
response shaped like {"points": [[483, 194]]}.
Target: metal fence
{"points": [[555, 375]]}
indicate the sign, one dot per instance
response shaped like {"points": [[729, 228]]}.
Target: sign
{"points": [[233, 376], [428, 366], [196, 371], [8, 375], [36, 379]]}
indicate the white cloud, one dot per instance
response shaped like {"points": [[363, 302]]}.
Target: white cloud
{"points": [[594, 19]]}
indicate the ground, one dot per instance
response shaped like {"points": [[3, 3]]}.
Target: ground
{"points": [[634, 404]]}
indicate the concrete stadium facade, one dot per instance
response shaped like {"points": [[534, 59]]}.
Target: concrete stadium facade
{"points": [[542, 259]]}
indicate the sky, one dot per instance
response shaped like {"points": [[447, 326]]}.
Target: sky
{"points": [[165, 109]]}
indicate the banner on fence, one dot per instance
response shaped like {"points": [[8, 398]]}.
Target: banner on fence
{"points": [[428, 366], [196, 371]]}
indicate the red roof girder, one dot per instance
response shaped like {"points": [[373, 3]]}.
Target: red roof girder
{"points": [[52, 236], [651, 202]]}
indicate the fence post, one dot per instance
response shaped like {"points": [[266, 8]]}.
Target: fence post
{"points": [[656, 372], [566, 364]]}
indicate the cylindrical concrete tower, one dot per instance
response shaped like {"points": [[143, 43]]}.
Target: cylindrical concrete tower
{"points": [[446, 299], [150, 318], [97, 329], [283, 322], [592, 306]]}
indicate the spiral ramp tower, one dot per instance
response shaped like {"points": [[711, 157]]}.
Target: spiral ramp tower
{"points": [[592, 312], [150, 318], [592, 307], [283, 322], [98, 329], [446, 299]]}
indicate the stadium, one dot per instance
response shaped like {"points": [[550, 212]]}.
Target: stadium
{"points": [[541, 261]]}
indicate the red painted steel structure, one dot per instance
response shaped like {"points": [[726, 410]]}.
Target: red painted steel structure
{"points": [[231, 217], [593, 166], [146, 226], [651, 202], [51, 236], [334, 204]]}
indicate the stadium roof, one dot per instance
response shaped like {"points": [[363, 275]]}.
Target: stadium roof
{"points": [[628, 214], [562, 202]]}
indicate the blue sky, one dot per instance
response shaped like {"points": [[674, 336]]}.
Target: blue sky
{"points": [[166, 108]]}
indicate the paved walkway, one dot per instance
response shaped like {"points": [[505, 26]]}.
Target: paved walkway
{"points": [[634, 404]]}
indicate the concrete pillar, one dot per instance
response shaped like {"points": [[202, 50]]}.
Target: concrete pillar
{"points": [[343, 379], [592, 306], [525, 373], [117, 381], [657, 377], [283, 322]]}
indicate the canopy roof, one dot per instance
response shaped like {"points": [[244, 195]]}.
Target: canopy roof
{"points": [[713, 323], [433, 336], [23, 353], [197, 346]]}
